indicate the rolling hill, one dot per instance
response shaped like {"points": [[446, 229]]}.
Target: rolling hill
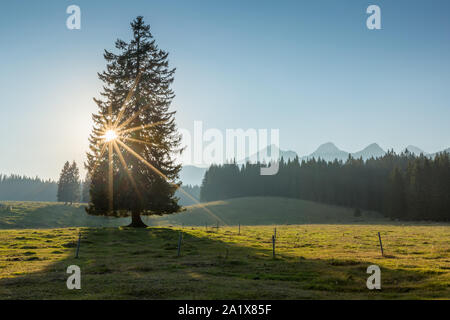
{"points": [[41, 215], [245, 211], [263, 211]]}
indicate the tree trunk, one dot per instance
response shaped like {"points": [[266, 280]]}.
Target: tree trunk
{"points": [[136, 221]]}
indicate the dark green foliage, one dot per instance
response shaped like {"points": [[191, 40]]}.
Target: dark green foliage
{"points": [[85, 189], [140, 70], [357, 213], [22, 188], [400, 186], [69, 184], [63, 183], [395, 195]]}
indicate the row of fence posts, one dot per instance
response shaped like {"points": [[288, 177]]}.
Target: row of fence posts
{"points": [[274, 238], [180, 239], [217, 227]]}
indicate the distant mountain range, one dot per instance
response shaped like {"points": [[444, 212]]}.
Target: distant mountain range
{"points": [[415, 150], [193, 175], [269, 154], [329, 152]]}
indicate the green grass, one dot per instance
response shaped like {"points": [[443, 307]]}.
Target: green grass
{"points": [[28, 214], [266, 211], [246, 211], [312, 262]]}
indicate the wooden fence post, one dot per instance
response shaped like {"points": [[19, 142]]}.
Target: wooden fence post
{"points": [[381, 244], [273, 246]]}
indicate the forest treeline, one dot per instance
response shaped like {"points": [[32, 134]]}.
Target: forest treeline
{"points": [[401, 186], [22, 188]]}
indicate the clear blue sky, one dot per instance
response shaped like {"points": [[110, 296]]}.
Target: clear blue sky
{"points": [[310, 68]]}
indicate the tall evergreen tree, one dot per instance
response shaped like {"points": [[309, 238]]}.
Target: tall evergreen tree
{"points": [[69, 184], [74, 185], [86, 185], [395, 196], [63, 184], [135, 104]]}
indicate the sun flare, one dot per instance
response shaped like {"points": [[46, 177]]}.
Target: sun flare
{"points": [[114, 133], [110, 135]]}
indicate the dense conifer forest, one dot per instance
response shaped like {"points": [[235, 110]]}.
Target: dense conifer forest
{"points": [[401, 186], [22, 188]]}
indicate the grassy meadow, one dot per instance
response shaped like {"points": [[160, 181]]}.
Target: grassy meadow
{"points": [[266, 211], [249, 211], [37, 215], [312, 262]]}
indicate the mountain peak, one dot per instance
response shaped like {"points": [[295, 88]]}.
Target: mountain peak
{"points": [[328, 152], [415, 150], [328, 147], [270, 153], [374, 147], [372, 150]]}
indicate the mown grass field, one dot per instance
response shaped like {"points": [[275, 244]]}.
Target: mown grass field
{"points": [[312, 262]]}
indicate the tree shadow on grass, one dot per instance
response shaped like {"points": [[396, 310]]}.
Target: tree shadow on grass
{"points": [[55, 215], [122, 263]]}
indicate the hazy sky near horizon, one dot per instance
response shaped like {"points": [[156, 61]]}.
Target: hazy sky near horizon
{"points": [[309, 68]]}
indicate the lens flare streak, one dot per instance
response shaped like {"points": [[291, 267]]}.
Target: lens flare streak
{"points": [[112, 136]]}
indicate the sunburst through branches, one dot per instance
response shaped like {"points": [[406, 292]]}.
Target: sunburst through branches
{"points": [[115, 134]]}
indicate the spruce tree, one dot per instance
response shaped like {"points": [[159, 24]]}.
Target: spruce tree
{"points": [[63, 184], [395, 197], [74, 184], [69, 184], [85, 189], [134, 106]]}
